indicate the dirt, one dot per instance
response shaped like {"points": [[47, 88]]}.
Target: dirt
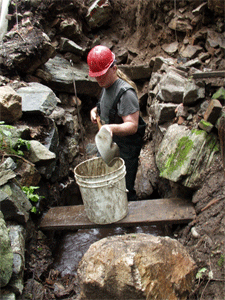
{"points": [[131, 27], [208, 246]]}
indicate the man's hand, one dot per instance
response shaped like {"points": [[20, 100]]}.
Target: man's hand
{"points": [[93, 115]]}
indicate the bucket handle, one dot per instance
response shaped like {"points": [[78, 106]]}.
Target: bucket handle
{"points": [[111, 184]]}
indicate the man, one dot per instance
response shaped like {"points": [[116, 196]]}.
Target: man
{"points": [[118, 109]]}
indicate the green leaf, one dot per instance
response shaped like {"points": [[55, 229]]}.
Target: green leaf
{"points": [[34, 198], [33, 210], [200, 273], [19, 152]]}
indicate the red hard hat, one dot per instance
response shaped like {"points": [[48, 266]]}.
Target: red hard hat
{"points": [[99, 60]]}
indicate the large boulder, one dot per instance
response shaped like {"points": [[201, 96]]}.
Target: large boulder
{"points": [[25, 49], [184, 155], [136, 266]]}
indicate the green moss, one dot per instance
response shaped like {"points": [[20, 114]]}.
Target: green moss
{"points": [[220, 94], [197, 131], [205, 123], [177, 158]]}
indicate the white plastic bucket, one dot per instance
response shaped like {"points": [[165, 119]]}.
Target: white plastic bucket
{"points": [[103, 189]]}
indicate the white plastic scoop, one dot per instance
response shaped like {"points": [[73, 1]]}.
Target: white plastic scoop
{"points": [[105, 145]]}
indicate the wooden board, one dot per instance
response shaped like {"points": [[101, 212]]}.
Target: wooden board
{"points": [[145, 212]]}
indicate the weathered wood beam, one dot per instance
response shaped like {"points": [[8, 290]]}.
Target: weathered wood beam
{"points": [[145, 212]]}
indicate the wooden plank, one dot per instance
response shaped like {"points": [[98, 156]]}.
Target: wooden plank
{"points": [[145, 212], [209, 74]]}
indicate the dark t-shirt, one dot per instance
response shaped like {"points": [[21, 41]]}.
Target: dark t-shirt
{"points": [[128, 103]]}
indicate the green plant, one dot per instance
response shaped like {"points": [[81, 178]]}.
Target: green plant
{"points": [[33, 197], [200, 273], [22, 143], [4, 132], [6, 141], [221, 261]]}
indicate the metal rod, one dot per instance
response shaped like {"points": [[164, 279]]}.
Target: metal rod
{"points": [[78, 113]]}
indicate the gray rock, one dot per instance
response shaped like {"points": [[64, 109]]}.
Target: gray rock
{"points": [[17, 237], [67, 45], [122, 56], [72, 147], [160, 61], [37, 97], [72, 57], [191, 51], [163, 112], [39, 153], [6, 175], [14, 203], [214, 39], [136, 72], [63, 75], [99, 13], [192, 92], [192, 63], [147, 175], [6, 171], [172, 87], [6, 262], [52, 140], [180, 24], [71, 28], [170, 49], [204, 56], [155, 79], [9, 164]]}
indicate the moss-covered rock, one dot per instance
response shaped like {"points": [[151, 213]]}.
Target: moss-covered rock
{"points": [[220, 94], [6, 254], [185, 154]]}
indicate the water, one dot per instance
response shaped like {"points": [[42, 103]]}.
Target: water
{"points": [[73, 245]]}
